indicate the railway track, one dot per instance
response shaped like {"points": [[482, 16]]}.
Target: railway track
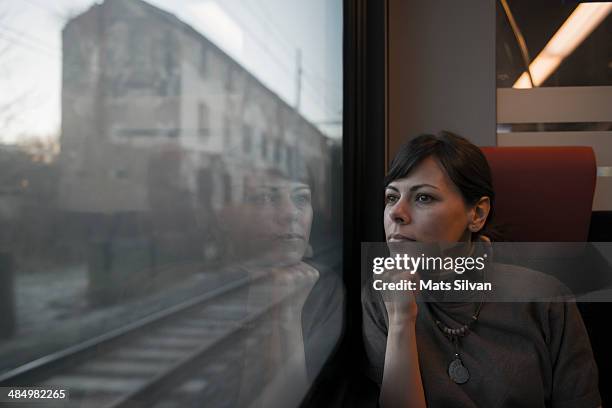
{"points": [[176, 356]]}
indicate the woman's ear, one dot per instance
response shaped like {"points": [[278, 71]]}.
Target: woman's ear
{"points": [[478, 214]]}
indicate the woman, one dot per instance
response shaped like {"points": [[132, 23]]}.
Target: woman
{"points": [[272, 232], [470, 353]]}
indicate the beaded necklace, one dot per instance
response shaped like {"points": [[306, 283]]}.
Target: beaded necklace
{"points": [[456, 370]]}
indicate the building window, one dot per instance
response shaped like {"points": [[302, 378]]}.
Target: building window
{"points": [[247, 138], [227, 188], [277, 151], [264, 146], [288, 156], [227, 131], [203, 120], [230, 79], [203, 63]]}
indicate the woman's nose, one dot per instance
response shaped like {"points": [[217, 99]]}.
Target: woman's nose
{"points": [[287, 209], [400, 213]]}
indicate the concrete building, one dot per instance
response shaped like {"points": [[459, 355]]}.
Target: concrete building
{"points": [[156, 117]]}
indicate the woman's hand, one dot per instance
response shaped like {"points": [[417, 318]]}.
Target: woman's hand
{"points": [[400, 304], [296, 281], [401, 385]]}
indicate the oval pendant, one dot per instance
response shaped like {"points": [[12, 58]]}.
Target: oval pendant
{"points": [[457, 371]]}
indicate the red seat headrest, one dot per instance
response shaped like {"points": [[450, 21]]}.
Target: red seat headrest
{"points": [[543, 194]]}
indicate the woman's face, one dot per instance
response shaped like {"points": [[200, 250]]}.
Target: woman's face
{"points": [[278, 217], [426, 207]]}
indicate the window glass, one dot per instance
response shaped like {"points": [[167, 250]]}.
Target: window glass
{"points": [[169, 198]]}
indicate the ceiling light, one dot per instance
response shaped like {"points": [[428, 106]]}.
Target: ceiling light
{"points": [[585, 18]]}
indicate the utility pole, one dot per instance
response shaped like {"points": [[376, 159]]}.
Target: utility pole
{"points": [[298, 79]]}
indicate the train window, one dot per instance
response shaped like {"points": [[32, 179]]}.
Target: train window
{"points": [[170, 190], [554, 79]]}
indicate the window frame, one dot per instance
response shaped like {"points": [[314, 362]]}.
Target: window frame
{"points": [[364, 157]]}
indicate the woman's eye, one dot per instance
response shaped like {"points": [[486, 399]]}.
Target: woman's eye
{"points": [[301, 199], [263, 198], [391, 198], [423, 198]]}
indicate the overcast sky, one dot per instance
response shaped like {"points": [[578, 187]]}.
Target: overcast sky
{"points": [[262, 35]]}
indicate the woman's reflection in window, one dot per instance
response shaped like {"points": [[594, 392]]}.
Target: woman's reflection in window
{"points": [[278, 214], [272, 232]]}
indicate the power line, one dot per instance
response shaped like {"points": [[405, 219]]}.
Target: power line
{"points": [[273, 55], [327, 85], [31, 43], [324, 106], [290, 48], [282, 64], [37, 45], [28, 45], [323, 81], [52, 13], [264, 46], [269, 23], [27, 35]]}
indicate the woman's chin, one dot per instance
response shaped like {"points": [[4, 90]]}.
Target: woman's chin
{"points": [[282, 257]]}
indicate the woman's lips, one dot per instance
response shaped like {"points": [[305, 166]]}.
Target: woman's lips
{"points": [[290, 237], [400, 238]]}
